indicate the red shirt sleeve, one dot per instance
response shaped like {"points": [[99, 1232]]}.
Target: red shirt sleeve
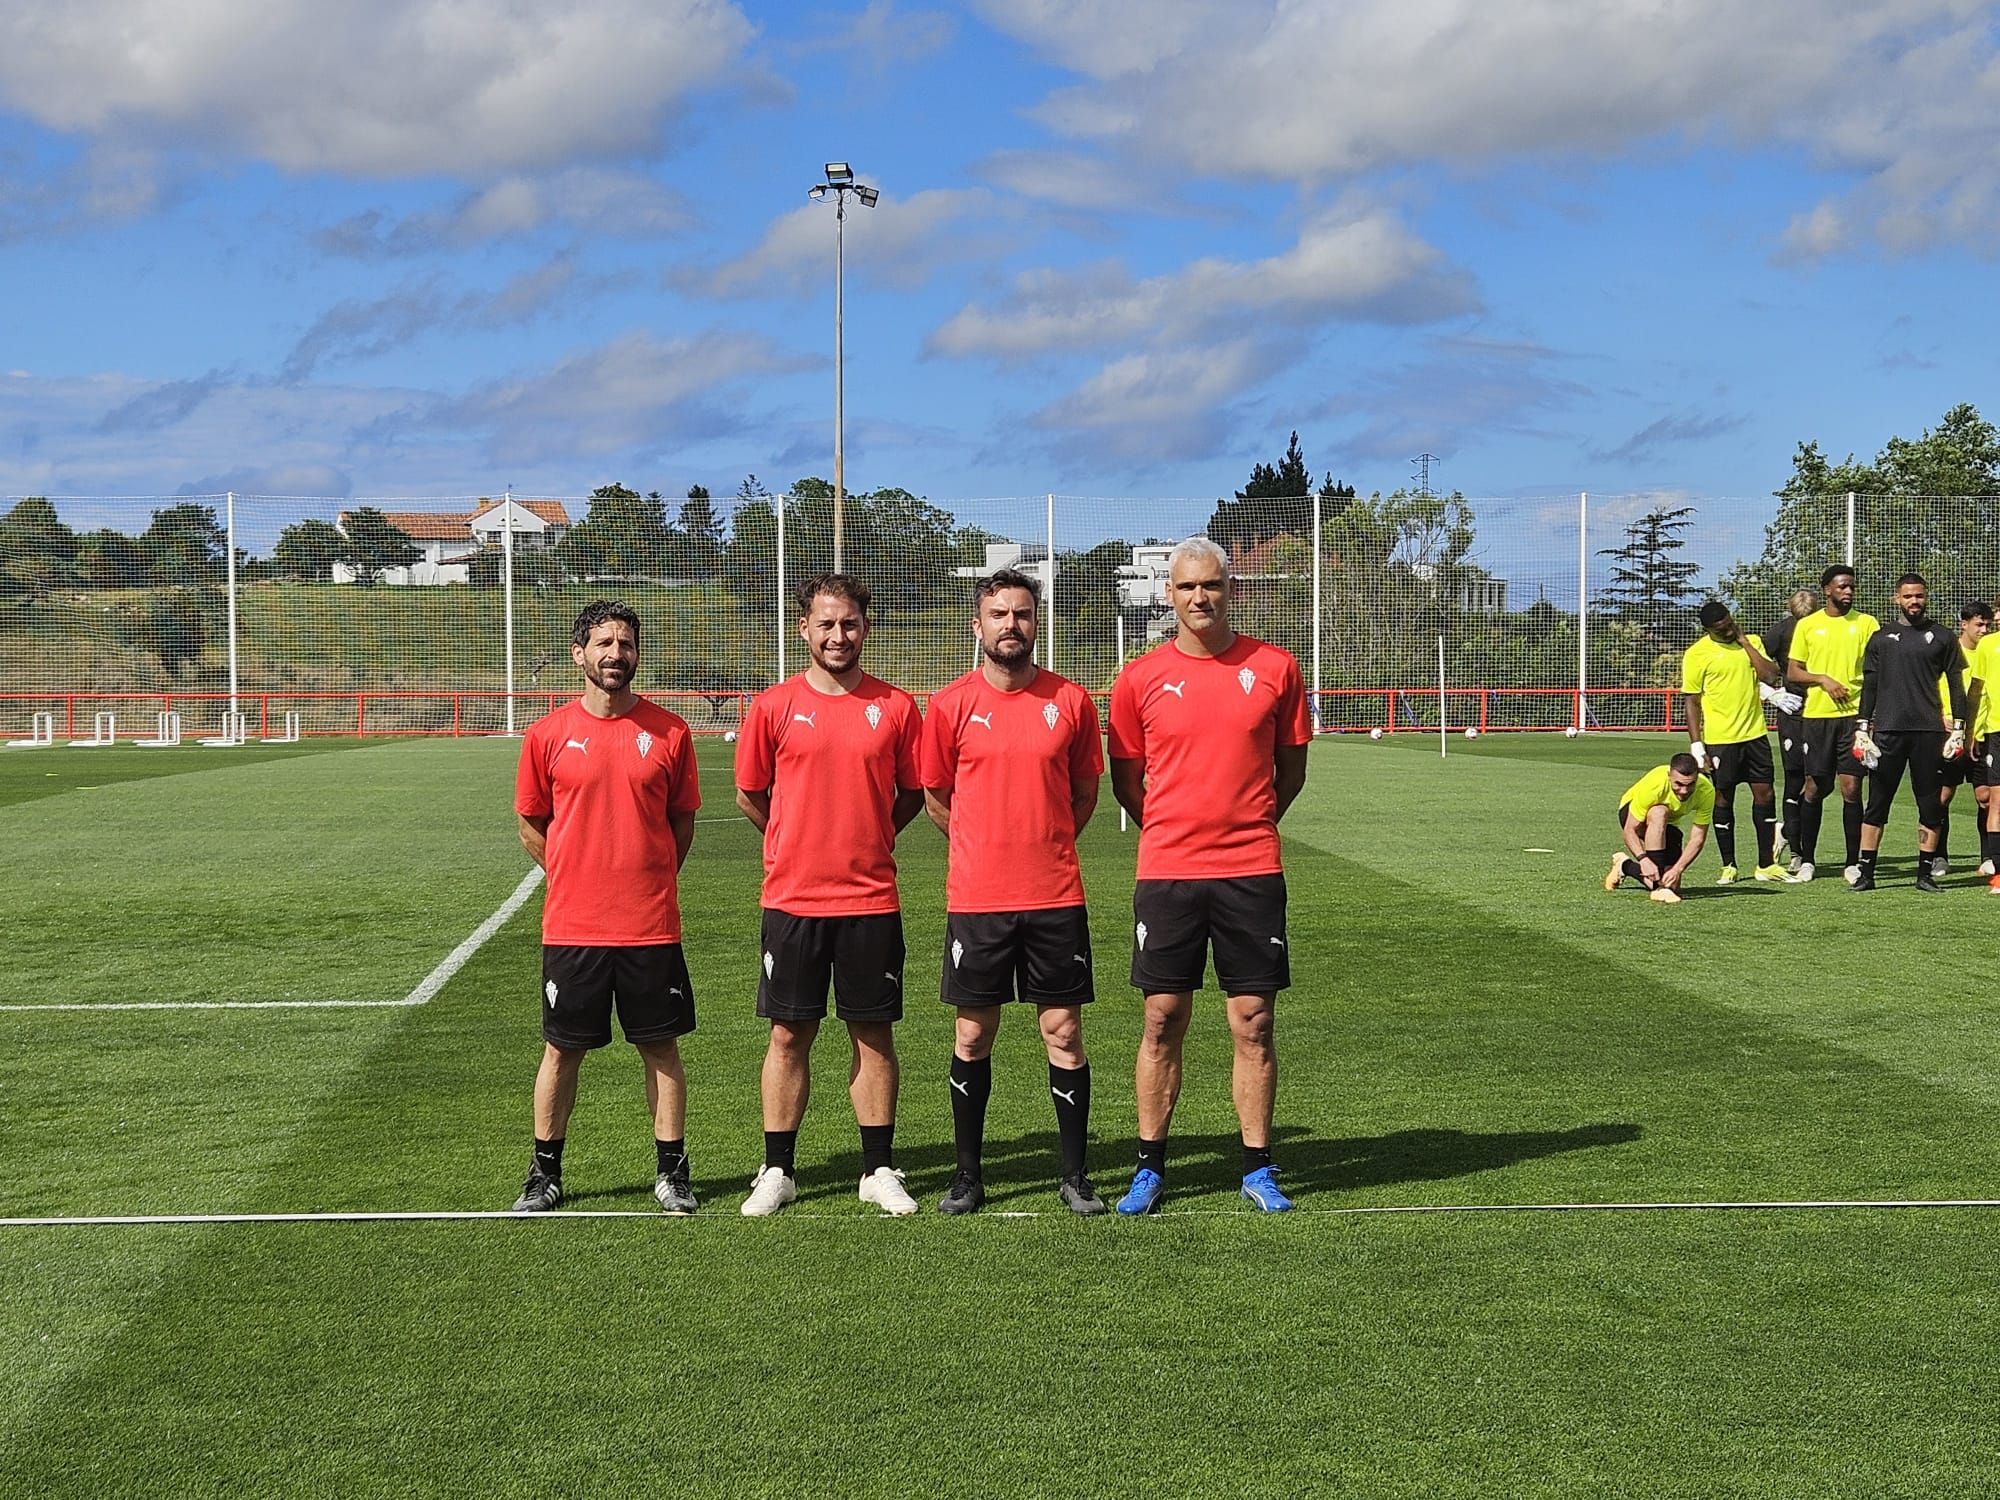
{"points": [[685, 796], [1086, 751], [756, 748], [533, 796], [1294, 724], [940, 746], [909, 749], [1128, 735]]}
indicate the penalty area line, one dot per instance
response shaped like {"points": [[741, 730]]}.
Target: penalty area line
{"points": [[426, 989], [1812, 1205]]}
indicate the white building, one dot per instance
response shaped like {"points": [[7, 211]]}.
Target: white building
{"points": [[449, 540]]}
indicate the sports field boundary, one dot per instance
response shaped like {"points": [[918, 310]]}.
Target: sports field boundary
{"points": [[390, 1216], [426, 989]]}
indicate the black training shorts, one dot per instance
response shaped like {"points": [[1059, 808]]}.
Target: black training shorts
{"points": [[1042, 957], [1792, 745], [1175, 922], [581, 983], [862, 957], [1746, 761], [1830, 749]]}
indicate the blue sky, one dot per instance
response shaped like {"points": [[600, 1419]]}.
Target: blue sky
{"points": [[435, 247]]}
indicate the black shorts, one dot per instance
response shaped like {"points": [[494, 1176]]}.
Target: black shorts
{"points": [[1921, 752], [1792, 745], [1745, 761], [862, 956], [1042, 957], [581, 983], [1175, 922], [1830, 749], [1986, 762]]}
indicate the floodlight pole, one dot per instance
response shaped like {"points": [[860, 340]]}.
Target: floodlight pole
{"points": [[840, 182], [507, 595]]}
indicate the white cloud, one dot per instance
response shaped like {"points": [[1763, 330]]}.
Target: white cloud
{"points": [[1464, 390], [1157, 406], [1351, 263], [1902, 94], [901, 242], [880, 36], [1068, 179], [593, 201], [370, 87]]}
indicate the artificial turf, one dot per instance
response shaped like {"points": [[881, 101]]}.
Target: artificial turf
{"points": [[1474, 1024]]}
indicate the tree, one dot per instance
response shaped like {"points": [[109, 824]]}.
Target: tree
{"points": [[309, 549], [624, 535], [1277, 501], [186, 544], [1650, 587], [700, 537], [108, 559], [1393, 568], [1929, 504], [37, 551], [374, 544], [751, 554]]}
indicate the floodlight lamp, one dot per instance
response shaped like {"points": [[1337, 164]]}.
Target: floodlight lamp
{"points": [[817, 192], [868, 196], [839, 173]]}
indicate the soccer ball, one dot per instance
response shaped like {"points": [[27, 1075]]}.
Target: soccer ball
{"points": [[728, 736], [1471, 733], [1375, 734], [1572, 732]]}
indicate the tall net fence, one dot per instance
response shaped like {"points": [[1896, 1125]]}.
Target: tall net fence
{"points": [[451, 615]]}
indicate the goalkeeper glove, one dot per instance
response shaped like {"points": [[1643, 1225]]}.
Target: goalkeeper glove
{"points": [[1784, 701], [1865, 749], [1699, 751], [1954, 743]]}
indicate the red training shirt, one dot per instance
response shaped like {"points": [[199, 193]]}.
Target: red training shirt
{"points": [[1010, 761], [832, 764], [607, 786], [1207, 730]]}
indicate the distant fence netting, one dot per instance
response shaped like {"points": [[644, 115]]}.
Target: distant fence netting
{"points": [[451, 615]]}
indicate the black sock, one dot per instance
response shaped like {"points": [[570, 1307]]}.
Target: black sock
{"points": [[548, 1156], [1725, 836], [673, 1157], [1069, 1088], [1153, 1155], [1255, 1158], [971, 1087], [1987, 843], [877, 1148], [1767, 835], [1811, 810], [1867, 861], [781, 1149], [1850, 819], [1943, 850], [1791, 823]]}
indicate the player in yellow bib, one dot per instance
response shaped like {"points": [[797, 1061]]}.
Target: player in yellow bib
{"points": [[1969, 769], [1825, 661], [1650, 815], [1721, 675], [1982, 705]]}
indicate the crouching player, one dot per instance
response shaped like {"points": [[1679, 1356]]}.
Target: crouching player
{"points": [[1650, 815]]}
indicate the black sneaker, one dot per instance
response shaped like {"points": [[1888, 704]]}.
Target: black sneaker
{"points": [[964, 1195], [1080, 1197], [539, 1193], [1865, 881], [672, 1193], [1926, 881]]}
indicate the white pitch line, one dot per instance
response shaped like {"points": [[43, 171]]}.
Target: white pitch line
{"points": [[426, 988], [458, 1215]]}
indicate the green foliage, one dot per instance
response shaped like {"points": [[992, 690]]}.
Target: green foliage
{"points": [[1394, 568], [624, 535], [699, 539], [1651, 597], [108, 559], [1277, 501], [374, 544], [187, 545], [308, 550], [37, 551], [1929, 504], [173, 624]]}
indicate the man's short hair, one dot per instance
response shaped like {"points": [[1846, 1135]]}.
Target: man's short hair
{"points": [[833, 585], [1205, 548], [1909, 578], [598, 612], [1976, 611], [1838, 570], [1684, 764], [1005, 578], [1802, 603], [1712, 614]]}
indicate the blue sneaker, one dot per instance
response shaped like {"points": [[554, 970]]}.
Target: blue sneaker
{"points": [[1143, 1197], [1261, 1188]]}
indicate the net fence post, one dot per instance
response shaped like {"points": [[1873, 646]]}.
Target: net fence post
{"points": [[1582, 608], [778, 503], [507, 597], [1317, 723], [229, 544], [1848, 555], [1049, 590]]}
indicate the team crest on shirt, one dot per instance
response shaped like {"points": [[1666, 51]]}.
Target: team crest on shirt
{"points": [[1051, 716], [874, 715], [645, 744], [1246, 679]]}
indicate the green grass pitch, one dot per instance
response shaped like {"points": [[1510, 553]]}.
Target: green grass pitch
{"points": [[1475, 1024]]}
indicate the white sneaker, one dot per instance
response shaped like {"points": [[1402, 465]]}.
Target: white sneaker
{"points": [[1666, 895], [884, 1188], [1851, 874], [770, 1190], [1802, 875], [1940, 867], [1986, 867]]}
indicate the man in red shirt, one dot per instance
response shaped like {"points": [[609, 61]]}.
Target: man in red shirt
{"points": [[826, 768], [1208, 749], [606, 793], [1011, 764]]}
